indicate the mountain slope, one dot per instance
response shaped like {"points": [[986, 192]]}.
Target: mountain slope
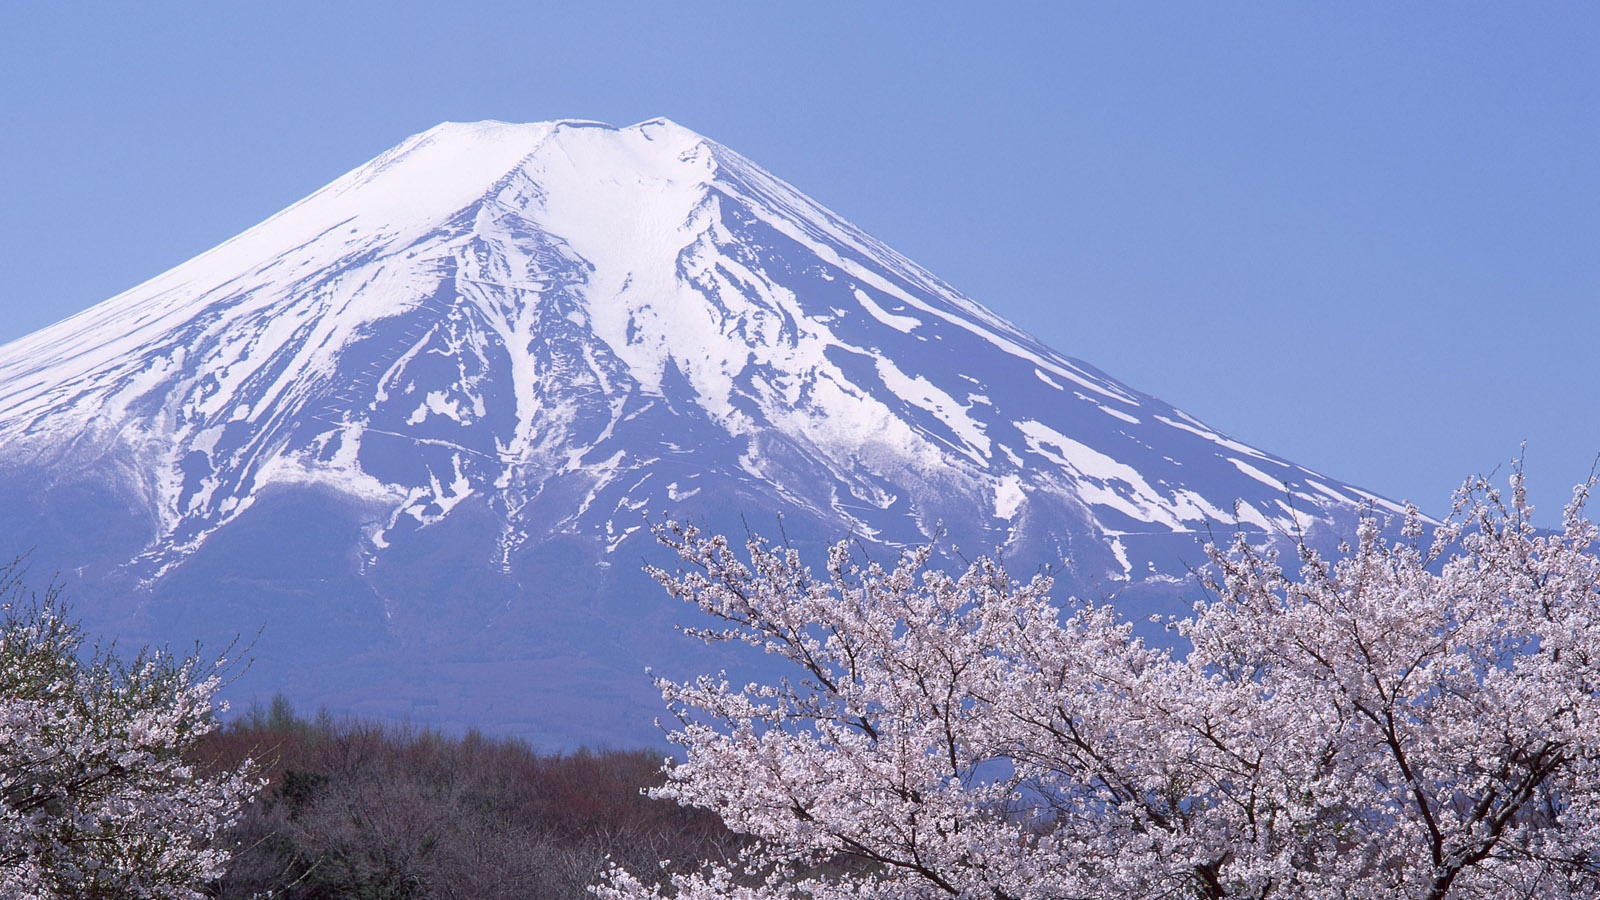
{"points": [[464, 374]]}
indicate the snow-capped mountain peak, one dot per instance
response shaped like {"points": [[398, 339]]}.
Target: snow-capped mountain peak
{"points": [[557, 328]]}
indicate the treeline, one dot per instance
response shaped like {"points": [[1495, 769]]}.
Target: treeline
{"points": [[355, 809]]}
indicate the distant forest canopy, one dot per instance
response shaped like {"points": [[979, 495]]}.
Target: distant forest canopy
{"points": [[354, 808]]}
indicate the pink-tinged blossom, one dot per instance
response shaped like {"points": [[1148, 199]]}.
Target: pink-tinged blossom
{"points": [[97, 797], [1405, 719]]}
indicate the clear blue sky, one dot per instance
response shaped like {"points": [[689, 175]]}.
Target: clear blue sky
{"points": [[1364, 236]]}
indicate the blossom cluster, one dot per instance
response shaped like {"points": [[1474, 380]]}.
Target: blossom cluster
{"points": [[1409, 718], [97, 797]]}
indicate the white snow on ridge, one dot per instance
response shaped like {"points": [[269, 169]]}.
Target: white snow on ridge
{"points": [[822, 232], [505, 299], [1008, 497], [1330, 492], [629, 204], [1194, 427], [897, 322], [922, 393], [1256, 473], [399, 196], [1098, 474], [1118, 414]]}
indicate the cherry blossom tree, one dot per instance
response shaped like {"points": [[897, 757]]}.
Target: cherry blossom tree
{"points": [[1411, 718], [97, 798]]}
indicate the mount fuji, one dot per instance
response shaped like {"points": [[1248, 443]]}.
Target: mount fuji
{"points": [[412, 429]]}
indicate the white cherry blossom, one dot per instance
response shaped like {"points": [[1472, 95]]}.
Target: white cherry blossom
{"points": [[1409, 719], [97, 795]]}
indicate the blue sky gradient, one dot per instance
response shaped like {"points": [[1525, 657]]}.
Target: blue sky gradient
{"points": [[1362, 236]]}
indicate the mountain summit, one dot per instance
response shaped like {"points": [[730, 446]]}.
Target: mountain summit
{"points": [[414, 426]]}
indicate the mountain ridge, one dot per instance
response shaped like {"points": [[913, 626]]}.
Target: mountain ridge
{"points": [[496, 339]]}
